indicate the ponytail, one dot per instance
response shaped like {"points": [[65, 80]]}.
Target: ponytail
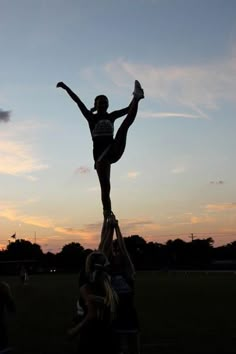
{"points": [[98, 275], [111, 298]]}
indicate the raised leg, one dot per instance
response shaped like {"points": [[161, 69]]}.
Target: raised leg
{"points": [[118, 146]]}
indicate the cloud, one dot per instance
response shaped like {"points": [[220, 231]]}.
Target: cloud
{"points": [[178, 170], [201, 219], [17, 159], [188, 218], [199, 88], [140, 226], [217, 182], [32, 178], [133, 174], [13, 214], [148, 114], [227, 230], [220, 207], [13, 211], [4, 116], [82, 170], [89, 234], [83, 232]]}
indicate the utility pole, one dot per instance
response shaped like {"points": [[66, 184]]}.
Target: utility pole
{"points": [[192, 237]]}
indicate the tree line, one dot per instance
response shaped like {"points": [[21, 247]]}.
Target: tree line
{"points": [[174, 254]]}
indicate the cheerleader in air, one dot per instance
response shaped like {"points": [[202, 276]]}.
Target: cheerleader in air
{"points": [[107, 148]]}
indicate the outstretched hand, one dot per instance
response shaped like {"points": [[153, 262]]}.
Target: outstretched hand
{"points": [[61, 84]]}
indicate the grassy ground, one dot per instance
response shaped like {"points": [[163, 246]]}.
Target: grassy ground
{"points": [[179, 313]]}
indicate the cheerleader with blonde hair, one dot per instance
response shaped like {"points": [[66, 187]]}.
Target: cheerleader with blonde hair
{"points": [[99, 301], [126, 331]]}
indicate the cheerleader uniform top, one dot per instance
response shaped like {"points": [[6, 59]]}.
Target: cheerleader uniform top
{"points": [[102, 131]]}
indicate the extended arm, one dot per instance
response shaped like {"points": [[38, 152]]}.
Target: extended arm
{"points": [[119, 113], [84, 110], [105, 245], [127, 261]]}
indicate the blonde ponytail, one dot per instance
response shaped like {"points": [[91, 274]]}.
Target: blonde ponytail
{"points": [[111, 298], [98, 274]]}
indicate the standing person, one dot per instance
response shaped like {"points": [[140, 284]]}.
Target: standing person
{"points": [[99, 301], [106, 148], [126, 325], [6, 304], [24, 277]]}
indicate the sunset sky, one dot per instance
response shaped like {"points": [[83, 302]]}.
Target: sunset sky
{"points": [[178, 173]]}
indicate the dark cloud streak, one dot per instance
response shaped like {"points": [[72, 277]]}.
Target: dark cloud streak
{"points": [[82, 170], [4, 116], [217, 182]]}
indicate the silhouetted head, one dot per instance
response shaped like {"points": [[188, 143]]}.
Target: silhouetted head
{"points": [[96, 265], [101, 104]]}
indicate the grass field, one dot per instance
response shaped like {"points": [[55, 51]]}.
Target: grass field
{"points": [[179, 313]]}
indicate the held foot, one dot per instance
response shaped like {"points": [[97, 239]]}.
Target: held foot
{"points": [[138, 90]]}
